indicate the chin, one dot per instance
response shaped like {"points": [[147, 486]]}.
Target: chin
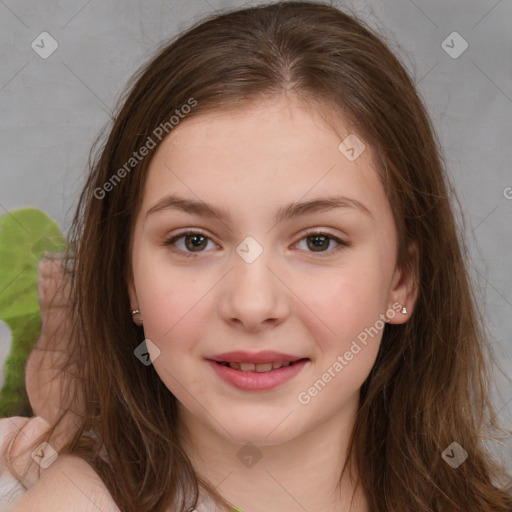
{"points": [[260, 433]]}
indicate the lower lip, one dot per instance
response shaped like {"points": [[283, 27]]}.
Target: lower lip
{"points": [[254, 381]]}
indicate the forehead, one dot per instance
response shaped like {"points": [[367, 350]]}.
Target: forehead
{"points": [[275, 152], [275, 126]]}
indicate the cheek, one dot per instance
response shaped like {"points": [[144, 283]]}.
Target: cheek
{"points": [[348, 297], [342, 311], [164, 292], [176, 315], [171, 305], [175, 320]]}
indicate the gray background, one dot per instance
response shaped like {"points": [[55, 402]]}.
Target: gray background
{"points": [[52, 109]]}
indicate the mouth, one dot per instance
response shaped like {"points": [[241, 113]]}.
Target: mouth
{"points": [[259, 372], [260, 367]]}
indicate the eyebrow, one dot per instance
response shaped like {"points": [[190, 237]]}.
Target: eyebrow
{"points": [[290, 211]]}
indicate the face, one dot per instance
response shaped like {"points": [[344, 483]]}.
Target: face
{"points": [[312, 282]]}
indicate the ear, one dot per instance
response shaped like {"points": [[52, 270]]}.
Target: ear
{"points": [[404, 287]]}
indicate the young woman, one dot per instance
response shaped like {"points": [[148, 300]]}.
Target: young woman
{"points": [[273, 309]]}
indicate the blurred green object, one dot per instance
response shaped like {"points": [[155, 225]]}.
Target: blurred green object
{"points": [[25, 236]]}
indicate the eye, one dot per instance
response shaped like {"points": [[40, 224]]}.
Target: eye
{"points": [[319, 241], [193, 242]]}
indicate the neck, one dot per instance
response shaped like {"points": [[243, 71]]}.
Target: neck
{"points": [[301, 474]]}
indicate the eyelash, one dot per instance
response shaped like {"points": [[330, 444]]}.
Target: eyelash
{"points": [[169, 243]]}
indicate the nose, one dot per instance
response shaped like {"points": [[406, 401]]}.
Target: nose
{"points": [[253, 296]]}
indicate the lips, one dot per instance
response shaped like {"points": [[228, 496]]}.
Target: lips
{"points": [[258, 380]]}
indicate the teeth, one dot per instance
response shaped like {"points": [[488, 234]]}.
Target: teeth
{"points": [[259, 368], [263, 367]]}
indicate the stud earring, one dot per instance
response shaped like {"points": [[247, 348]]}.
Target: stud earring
{"points": [[137, 312], [404, 310]]}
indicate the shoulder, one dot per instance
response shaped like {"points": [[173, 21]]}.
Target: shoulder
{"points": [[68, 484]]}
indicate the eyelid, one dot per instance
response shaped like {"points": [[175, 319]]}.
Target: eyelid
{"points": [[189, 231]]}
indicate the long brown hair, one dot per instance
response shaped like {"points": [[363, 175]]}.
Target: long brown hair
{"points": [[429, 386]]}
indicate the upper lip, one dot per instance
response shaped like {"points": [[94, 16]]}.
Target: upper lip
{"points": [[266, 356]]}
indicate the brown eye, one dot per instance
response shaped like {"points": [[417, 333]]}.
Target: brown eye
{"points": [[188, 243], [318, 242], [195, 242], [322, 243]]}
